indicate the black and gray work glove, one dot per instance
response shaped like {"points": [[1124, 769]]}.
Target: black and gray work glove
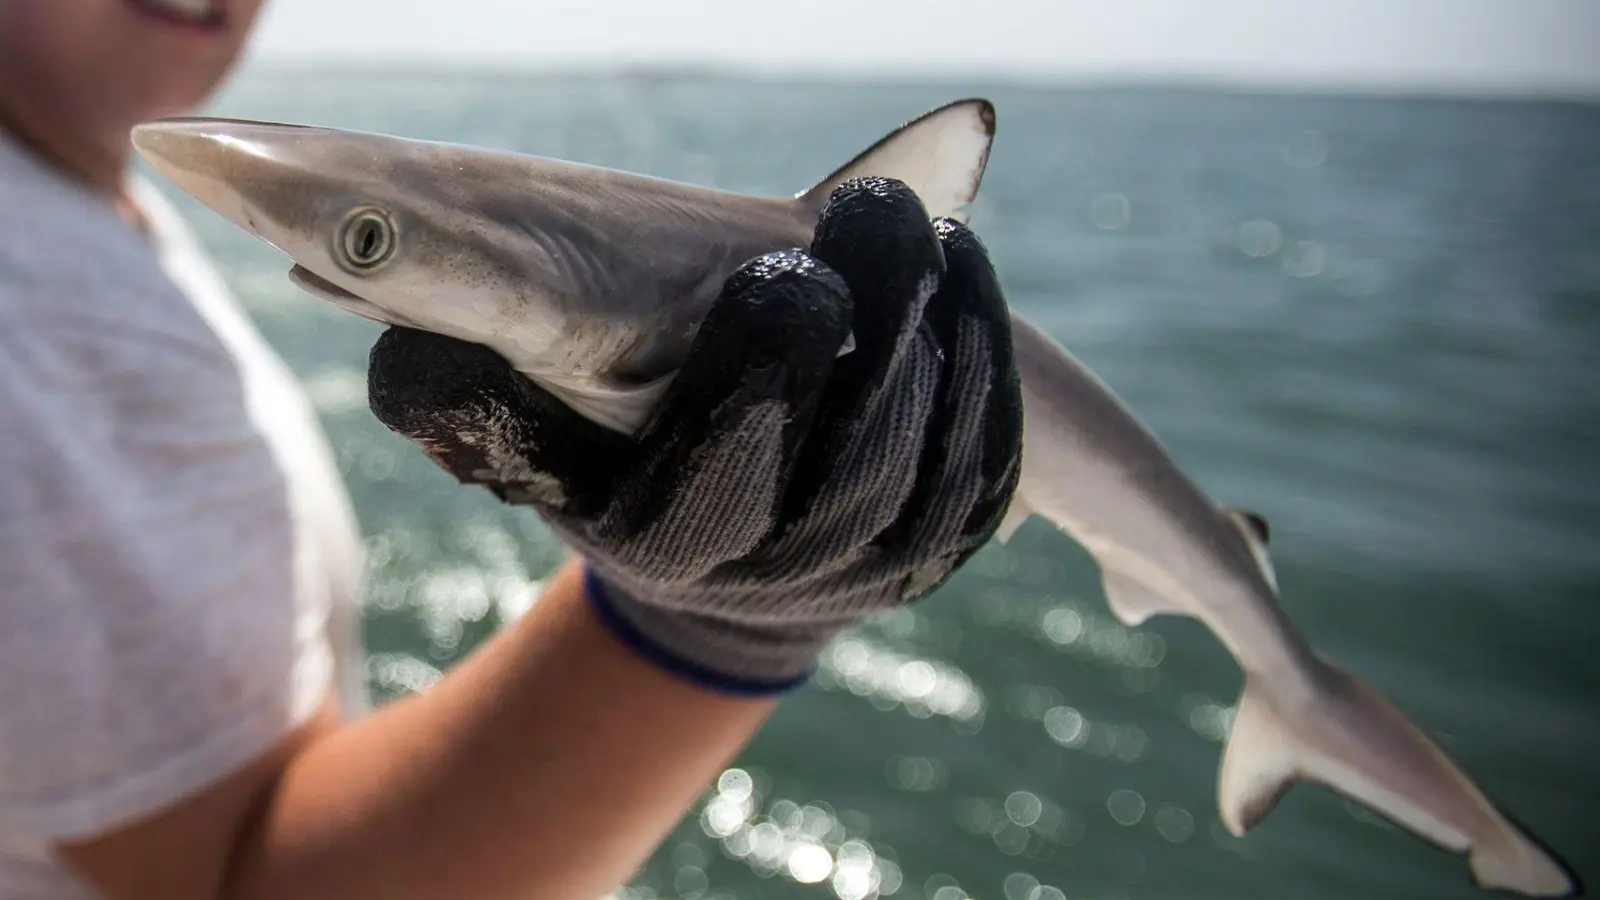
{"points": [[781, 491]]}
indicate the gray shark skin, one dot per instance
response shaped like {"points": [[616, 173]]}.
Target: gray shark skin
{"points": [[592, 282]]}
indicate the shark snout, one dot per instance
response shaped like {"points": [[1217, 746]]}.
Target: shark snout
{"points": [[183, 140], [232, 166]]}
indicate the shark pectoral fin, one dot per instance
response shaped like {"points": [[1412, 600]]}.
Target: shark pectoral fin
{"points": [[1131, 600], [1344, 735], [1253, 529], [940, 155]]}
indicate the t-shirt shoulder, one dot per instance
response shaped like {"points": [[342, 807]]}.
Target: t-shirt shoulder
{"points": [[151, 634]]}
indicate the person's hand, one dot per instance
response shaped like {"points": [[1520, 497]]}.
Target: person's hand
{"points": [[781, 491]]}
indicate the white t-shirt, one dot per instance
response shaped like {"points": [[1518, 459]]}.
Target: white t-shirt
{"points": [[179, 562]]}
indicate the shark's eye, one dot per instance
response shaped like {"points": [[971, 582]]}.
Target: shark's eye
{"points": [[365, 240]]}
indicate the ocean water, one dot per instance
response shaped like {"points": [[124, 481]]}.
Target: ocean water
{"points": [[1375, 321]]}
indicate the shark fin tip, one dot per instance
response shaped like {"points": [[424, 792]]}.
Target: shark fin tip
{"points": [[1132, 601], [1252, 527], [941, 155], [1535, 869], [1254, 521]]}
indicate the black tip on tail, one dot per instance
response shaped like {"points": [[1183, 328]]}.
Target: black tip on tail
{"points": [[1579, 889]]}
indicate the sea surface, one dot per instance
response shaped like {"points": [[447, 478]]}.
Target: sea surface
{"points": [[1374, 321]]}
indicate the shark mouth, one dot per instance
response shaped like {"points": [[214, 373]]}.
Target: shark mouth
{"points": [[323, 289]]}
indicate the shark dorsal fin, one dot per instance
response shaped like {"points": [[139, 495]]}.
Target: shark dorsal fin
{"points": [[1254, 521], [1253, 528], [940, 155]]}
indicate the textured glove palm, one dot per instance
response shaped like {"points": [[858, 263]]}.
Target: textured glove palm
{"points": [[781, 491]]}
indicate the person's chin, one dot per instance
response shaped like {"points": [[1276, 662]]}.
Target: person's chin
{"points": [[201, 17]]}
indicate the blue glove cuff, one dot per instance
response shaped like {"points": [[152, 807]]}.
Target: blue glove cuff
{"points": [[603, 602]]}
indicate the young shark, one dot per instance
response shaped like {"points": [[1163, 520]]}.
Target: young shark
{"points": [[592, 282]]}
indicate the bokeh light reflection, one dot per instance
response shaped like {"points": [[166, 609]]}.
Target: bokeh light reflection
{"points": [[809, 844], [890, 679]]}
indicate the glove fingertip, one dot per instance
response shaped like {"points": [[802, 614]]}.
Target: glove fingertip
{"points": [[876, 233], [970, 274], [958, 236], [774, 333], [973, 320]]}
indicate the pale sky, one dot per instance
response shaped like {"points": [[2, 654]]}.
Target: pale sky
{"points": [[1476, 46]]}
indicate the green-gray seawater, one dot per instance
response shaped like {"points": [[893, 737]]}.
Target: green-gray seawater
{"points": [[1375, 321]]}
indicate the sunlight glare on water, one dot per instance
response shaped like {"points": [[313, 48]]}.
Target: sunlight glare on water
{"points": [[808, 844]]}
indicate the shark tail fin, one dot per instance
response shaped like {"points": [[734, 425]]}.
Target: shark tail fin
{"points": [[941, 155], [1344, 735]]}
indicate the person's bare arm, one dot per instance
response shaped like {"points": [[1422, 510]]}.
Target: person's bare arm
{"points": [[548, 764]]}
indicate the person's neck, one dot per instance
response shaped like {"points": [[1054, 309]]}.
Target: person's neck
{"points": [[78, 153]]}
